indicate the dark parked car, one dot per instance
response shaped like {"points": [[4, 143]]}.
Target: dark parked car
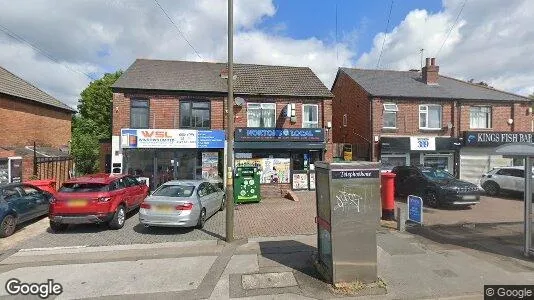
{"points": [[20, 203], [436, 187]]}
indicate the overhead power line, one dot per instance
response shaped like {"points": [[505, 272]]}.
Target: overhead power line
{"points": [[385, 34], [43, 52], [452, 27], [178, 28]]}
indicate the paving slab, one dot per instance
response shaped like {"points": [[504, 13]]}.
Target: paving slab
{"points": [[268, 280], [119, 278]]}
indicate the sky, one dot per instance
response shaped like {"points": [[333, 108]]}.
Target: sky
{"points": [[60, 46]]}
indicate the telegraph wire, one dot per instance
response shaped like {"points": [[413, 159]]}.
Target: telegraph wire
{"points": [[44, 53], [452, 27], [385, 34], [178, 28]]}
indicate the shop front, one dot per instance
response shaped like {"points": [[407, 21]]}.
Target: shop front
{"points": [[160, 155], [436, 152], [476, 156], [284, 157]]}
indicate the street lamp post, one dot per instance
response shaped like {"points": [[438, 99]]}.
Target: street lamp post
{"points": [[230, 128]]}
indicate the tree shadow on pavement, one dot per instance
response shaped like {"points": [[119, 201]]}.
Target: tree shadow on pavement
{"points": [[297, 256], [505, 239]]}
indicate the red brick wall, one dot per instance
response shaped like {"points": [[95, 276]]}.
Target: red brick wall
{"points": [[23, 123], [164, 112], [408, 118], [350, 99]]}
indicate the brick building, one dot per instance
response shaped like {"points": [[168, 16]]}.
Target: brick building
{"points": [[27, 116], [412, 118], [169, 121]]}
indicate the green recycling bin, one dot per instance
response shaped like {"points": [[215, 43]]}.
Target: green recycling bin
{"points": [[247, 185]]}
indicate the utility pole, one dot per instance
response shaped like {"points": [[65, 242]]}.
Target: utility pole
{"points": [[230, 128]]}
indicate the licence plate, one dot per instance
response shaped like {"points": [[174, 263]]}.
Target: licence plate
{"points": [[164, 208], [77, 203], [470, 197]]}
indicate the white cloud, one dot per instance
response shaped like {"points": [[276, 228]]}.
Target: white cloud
{"points": [[105, 35], [493, 41]]}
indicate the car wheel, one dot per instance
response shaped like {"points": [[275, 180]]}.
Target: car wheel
{"points": [[201, 219], [58, 227], [222, 204], [118, 218], [7, 227], [491, 188], [432, 199]]}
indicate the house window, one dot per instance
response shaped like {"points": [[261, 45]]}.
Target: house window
{"points": [[261, 114], [390, 115], [310, 116], [139, 113], [345, 120], [430, 116], [480, 117], [194, 114]]}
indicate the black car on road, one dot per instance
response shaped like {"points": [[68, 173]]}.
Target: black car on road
{"points": [[435, 186]]}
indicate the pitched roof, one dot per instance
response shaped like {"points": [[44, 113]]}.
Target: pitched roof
{"points": [[251, 79], [11, 84], [385, 83]]}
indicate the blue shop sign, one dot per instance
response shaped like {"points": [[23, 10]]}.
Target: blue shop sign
{"points": [[210, 139], [279, 134]]}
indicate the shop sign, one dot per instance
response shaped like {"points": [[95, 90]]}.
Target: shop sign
{"points": [[475, 138], [422, 143], [172, 138], [279, 134]]}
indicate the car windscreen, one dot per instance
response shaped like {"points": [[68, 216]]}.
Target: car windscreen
{"points": [[174, 191], [83, 188], [434, 174]]}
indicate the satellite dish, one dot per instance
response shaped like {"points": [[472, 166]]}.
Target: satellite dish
{"points": [[239, 101]]}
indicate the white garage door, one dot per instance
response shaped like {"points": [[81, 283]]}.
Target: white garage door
{"points": [[476, 161]]}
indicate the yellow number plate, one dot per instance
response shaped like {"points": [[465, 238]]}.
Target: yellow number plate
{"points": [[77, 203], [165, 208]]}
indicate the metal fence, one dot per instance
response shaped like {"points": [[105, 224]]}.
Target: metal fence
{"points": [[58, 168]]}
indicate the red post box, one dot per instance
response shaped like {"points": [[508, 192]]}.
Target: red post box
{"points": [[388, 195]]}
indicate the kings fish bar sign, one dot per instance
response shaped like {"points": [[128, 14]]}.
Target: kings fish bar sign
{"points": [[475, 138]]}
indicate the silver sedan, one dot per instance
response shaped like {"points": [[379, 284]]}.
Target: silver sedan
{"points": [[181, 203]]}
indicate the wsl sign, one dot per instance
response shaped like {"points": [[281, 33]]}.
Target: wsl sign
{"points": [[497, 138]]}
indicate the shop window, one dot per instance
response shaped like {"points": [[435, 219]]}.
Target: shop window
{"points": [[139, 113], [261, 114], [310, 116], [194, 114], [480, 117], [430, 116], [390, 115]]}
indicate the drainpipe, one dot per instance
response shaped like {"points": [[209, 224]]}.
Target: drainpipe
{"points": [[372, 140]]}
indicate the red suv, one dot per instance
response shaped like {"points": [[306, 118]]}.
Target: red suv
{"points": [[99, 198]]}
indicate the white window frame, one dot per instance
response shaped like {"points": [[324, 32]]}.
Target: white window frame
{"points": [[262, 106], [316, 123], [390, 108], [425, 111], [345, 120], [489, 117]]}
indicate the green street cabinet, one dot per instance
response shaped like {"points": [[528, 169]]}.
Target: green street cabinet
{"points": [[247, 185]]}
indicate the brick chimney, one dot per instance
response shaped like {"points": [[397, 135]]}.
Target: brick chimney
{"points": [[430, 72]]}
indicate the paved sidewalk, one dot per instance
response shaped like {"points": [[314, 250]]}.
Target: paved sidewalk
{"points": [[411, 267]]}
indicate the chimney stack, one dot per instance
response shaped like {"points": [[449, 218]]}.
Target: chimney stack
{"points": [[430, 72]]}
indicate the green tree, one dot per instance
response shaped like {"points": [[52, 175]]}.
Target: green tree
{"points": [[93, 122]]}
